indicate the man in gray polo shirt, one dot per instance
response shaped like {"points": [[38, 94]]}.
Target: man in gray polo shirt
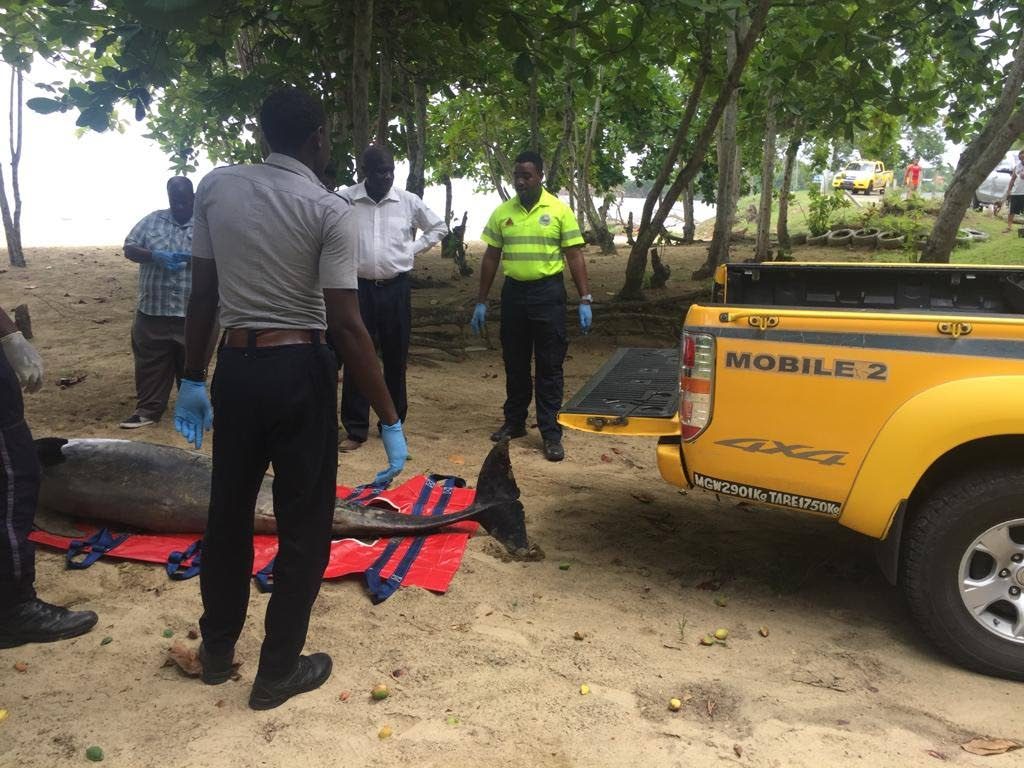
{"points": [[275, 248]]}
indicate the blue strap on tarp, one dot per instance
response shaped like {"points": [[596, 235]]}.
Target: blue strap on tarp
{"points": [[265, 577], [93, 548], [381, 589], [185, 565]]}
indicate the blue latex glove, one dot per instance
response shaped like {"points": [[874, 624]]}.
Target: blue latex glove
{"points": [[586, 318], [167, 260], [182, 258], [479, 317], [397, 450], [193, 413]]}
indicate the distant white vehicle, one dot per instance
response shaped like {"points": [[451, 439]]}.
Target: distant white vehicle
{"points": [[993, 189]]}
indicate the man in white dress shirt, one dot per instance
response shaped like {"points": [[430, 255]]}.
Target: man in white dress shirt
{"points": [[385, 218]]}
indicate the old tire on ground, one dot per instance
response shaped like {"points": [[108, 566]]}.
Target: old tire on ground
{"points": [[839, 237], [963, 559], [798, 239], [921, 240], [963, 238], [977, 234], [889, 240], [817, 239], [865, 237]]}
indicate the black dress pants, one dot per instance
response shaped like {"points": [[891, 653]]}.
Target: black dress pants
{"points": [[273, 405], [386, 307], [19, 492], [533, 325]]}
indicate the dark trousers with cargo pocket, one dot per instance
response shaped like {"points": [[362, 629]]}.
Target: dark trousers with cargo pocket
{"points": [[19, 494], [386, 308], [271, 406], [533, 326]]}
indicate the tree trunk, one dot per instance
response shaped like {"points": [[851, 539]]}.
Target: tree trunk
{"points": [[362, 50], [499, 187], [12, 220], [651, 225], [728, 152], [782, 226], [447, 181], [553, 181], [1004, 126], [384, 100], [597, 222], [416, 136], [534, 115], [689, 225], [762, 251]]}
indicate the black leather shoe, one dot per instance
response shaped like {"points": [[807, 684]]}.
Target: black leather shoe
{"points": [[553, 450], [310, 673], [508, 431], [35, 621], [216, 669]]}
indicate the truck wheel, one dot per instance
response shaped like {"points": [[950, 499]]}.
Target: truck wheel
{"points": [[870, 189], [963, 570]]}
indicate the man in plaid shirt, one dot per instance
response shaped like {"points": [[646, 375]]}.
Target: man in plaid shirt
{"points": [[161, 244]]}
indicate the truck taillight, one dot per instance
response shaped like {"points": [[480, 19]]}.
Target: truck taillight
{"points": [[696, 375]]}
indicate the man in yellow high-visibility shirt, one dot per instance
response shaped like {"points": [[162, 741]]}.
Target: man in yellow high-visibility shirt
{"points": [[534, 235]]}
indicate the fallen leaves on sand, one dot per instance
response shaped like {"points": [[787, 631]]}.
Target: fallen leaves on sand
{"points": [[94, 754], [344, 696], [606, 458], [106, 640], [721, 601], [763, 631], [380, 692], [385, 732], [738, 750], [3, 715], [21, 666], [936, 754], [985, 747], [577, 635], [711, 706]]}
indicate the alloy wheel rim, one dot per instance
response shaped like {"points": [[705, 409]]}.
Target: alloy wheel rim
{"points": [[991, 580]]}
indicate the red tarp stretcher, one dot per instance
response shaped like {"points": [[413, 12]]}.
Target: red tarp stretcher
{"points": [[433, 568]]}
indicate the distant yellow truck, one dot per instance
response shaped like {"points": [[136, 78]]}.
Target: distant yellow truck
{"points": [[865, 176], [887, 397]]}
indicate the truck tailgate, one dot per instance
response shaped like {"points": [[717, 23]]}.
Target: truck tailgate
{"points": [[635, 393]]}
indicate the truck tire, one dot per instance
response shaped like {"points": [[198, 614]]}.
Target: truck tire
{"points": [[817, 239], [976, 234], [965, 547], [871, 188]]}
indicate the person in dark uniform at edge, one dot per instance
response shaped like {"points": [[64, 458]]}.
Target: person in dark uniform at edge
{"points": [[24, 618], [276, 249], [534, 235], [385, 218]]}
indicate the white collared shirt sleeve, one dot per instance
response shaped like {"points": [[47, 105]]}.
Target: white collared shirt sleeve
{"points": [[430, 223]]}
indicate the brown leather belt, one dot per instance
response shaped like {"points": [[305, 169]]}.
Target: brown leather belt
{"points": [[269, 337]]}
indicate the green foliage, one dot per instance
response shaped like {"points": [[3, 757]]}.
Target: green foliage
{"points": [[821, 207]]}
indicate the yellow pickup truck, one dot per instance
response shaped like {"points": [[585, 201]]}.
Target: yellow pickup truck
{"points": [[887, 397], [865, 176]]}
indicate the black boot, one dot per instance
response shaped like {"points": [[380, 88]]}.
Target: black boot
{"points": [[37, 622], [216, 669], [508, 431], [310, 673]]}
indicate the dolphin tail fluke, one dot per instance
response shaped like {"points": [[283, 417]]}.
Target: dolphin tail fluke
{"points": [[48, 449], [497, 497]]}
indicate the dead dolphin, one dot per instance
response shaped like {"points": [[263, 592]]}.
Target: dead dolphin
{"points": [[162, 489]]}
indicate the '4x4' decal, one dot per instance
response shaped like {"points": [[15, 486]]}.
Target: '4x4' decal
{"points": [[767, 447]]}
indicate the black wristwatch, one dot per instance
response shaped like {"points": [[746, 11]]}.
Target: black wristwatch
{"points": [[195, 374]]}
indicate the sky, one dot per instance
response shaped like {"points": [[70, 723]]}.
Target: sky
{"points": [[91, 189]]}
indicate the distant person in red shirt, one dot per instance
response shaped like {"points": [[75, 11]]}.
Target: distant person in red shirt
{"points": [[912, 178]]}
